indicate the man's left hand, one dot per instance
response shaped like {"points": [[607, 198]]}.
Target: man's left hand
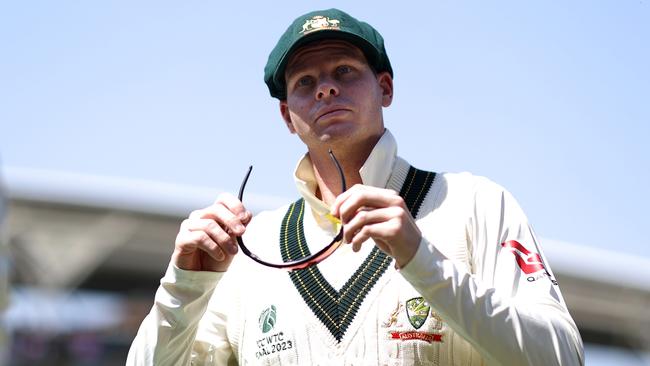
{"points": [[381, 214]]}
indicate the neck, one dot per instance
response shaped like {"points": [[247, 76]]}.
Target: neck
{"points": [[351, 159]]}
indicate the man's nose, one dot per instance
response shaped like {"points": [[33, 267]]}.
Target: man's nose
{"points": [[327, 88]]}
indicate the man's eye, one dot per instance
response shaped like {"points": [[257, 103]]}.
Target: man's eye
{"points": [[343, 69], [304, 81]]}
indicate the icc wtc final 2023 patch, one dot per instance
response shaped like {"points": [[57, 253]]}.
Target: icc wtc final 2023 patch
{"points": [[269, 344]]}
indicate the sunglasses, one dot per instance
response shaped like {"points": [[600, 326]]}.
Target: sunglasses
{"points": [[303, 262]]}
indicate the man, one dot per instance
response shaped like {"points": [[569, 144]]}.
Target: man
{"points": [[457, 277]]}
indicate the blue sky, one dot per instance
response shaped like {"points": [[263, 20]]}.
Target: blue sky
{"points": [[549, 99]]}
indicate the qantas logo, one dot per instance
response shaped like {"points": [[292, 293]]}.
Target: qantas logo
{"points": [[527, 261]]}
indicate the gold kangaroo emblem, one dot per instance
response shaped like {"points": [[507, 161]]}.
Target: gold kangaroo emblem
{"points": [[392, 320]]}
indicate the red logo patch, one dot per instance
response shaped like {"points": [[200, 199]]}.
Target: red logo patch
{"points": [[527, 261]]}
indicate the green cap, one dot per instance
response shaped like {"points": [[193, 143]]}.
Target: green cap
{"points": [[317, 25]]}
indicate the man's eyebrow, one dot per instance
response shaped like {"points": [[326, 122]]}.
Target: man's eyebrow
{"points": [[296, 69], [300, 66]]}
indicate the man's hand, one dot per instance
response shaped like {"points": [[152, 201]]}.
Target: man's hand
{"points": [[380, 214], [206, 240]]}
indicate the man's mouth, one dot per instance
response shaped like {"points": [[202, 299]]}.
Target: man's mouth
{"points": [[332, 112]]}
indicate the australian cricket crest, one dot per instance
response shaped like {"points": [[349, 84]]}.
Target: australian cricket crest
{"points": [[319, 22], [417, 311]]}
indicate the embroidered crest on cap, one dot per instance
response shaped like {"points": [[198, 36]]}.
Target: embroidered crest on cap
{"points": [[319, 22]]}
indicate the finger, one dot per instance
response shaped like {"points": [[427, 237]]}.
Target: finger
{"points": [[371, 231], [225, 241], [342, 198], [356, 247], [200, 240], [366, 216], [235, 206], [222, 215], [367, 197], [373, 192]]}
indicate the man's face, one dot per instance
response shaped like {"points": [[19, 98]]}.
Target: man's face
{"points": [[333, 96]]}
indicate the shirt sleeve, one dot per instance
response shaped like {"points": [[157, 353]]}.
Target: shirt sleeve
{"points": [[168, 334], [509, 307]]}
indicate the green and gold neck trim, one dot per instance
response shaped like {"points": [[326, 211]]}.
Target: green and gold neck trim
{"points": [[337, 309]]}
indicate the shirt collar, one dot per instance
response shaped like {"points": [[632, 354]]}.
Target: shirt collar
{"points": [[375, 172]]}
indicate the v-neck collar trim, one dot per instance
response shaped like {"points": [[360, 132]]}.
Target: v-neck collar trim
{"points": [[336, 310]]}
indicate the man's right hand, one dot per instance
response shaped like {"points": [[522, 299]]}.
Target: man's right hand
{"points": [[206, 240]]}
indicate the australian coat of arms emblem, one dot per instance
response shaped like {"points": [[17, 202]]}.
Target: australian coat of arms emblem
{"points": [[319, 22]]}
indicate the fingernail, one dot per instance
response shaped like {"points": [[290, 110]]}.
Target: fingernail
{"points": [[220, 255], [240, 228], [232, 249]]}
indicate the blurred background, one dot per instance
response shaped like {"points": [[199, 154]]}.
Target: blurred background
{"points": [[119, 118]]}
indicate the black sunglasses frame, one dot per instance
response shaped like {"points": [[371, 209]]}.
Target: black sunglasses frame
{"points": [[303, 262]]}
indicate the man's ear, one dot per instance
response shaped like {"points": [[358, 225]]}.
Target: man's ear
{"points": [[286, 115], [386, 85]]}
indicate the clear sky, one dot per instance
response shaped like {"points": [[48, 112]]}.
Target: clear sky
{"points": [[548, 98]]}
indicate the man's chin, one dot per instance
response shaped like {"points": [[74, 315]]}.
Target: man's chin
{"points": [[336, 134], [338, 129]]}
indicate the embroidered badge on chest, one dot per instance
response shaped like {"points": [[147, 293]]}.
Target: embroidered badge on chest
{"points": [[394, 317], [337, 309], [417, 313], [267, 319], [271, 343]]}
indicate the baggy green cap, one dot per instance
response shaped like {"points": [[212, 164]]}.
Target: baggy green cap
{"points": [[317, 25]]}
